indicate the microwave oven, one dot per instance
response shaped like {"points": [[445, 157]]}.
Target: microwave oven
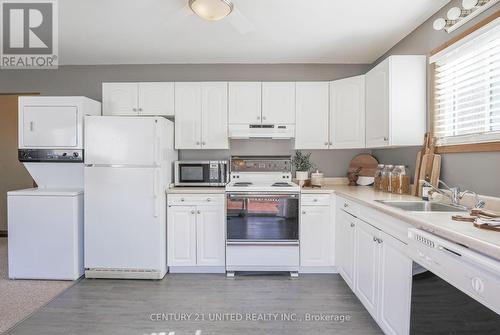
{"points": [[201, 173]]}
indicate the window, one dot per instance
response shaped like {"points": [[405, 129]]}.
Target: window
{"points": [[467, 89]]}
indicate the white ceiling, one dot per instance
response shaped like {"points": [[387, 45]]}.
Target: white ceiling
{"points": [[285, 31]]}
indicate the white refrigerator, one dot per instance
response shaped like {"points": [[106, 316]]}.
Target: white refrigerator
{"points": [[128, 167]]}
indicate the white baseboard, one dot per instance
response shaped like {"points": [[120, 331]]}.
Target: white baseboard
{"points": [[197, 269], [318, 269]]}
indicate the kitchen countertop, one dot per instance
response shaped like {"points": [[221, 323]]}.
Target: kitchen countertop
{"points": [[483, 241], [195, 190]]}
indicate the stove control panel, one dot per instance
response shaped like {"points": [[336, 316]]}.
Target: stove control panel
{"points": [[50, 155]]}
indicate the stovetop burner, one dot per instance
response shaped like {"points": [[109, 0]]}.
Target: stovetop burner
{"points": [[242, 183], [281, 184]]}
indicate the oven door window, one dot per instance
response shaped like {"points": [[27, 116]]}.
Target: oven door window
{"points": [[262, 218], [190, 173]]}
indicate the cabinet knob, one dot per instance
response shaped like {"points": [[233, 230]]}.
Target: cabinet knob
{"points": [[375, 239], [263, 118], [192, 211], [182, 199], [140, 109], [197, 143], [315, 200], [346, 205], [303, 212], [199, 212], [258, 117], [386, 139], [208, 199], [134, 109], [203, 143], [352, 225], [326, 143], [331, 143]]}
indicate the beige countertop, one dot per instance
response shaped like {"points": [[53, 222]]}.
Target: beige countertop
{"points": [[195, 190], [439, 223]]}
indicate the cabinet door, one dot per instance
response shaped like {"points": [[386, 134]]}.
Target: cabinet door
{"points": [[188, 115], [156, 99], [366, 262], [311, 131], [394, 287], [210, 238], [214, 116], [347, 113], [245, 103], [278, 102], [377, 106], [316, 236], [181, 236], [119, 99], [345, 246]]}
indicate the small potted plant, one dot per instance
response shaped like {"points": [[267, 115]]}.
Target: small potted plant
{"points": [[303, 165]]}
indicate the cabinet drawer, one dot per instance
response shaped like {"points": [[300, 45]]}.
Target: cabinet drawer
{"points": [[315, 200], [348, 206], [195, 199]]}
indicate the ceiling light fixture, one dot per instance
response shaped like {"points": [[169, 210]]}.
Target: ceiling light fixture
{"points": [[457, 17], [212, 10]]}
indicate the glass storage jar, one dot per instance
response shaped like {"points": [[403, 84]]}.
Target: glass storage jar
{"points": [[400, 180], [386, 178], [377, 182]]}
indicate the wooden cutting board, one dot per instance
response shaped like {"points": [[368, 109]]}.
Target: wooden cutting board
{"points": [[366, 163], [418, 165]]}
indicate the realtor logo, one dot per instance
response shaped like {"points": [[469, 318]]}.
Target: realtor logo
{"points": [[28, 34]]}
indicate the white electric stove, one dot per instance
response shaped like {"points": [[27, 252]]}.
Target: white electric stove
{"points": [[262, 216]]}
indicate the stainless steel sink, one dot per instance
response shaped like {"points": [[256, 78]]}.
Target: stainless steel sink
{"points": [[421, 206]]}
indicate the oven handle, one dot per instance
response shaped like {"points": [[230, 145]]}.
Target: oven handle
{"points": [[261, 195], [275, 243]]}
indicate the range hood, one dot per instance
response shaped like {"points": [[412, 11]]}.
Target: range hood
{"points": [[273, 131]]}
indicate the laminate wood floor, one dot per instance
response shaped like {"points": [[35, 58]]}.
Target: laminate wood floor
{"points": [[180, 302]]}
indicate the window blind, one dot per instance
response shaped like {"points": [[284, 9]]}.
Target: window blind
{"points": [[467, 89]]}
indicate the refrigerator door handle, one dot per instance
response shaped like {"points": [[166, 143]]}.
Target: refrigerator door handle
{"points": [[156, 186]]}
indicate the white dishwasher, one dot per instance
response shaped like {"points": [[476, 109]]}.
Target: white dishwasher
{"points": [[472, 273]]}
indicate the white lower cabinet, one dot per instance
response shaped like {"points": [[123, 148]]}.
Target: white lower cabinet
{"points": [[366, 266], [316, 233], [196, 234], [345, 225], [395, 279], [375, 266]]}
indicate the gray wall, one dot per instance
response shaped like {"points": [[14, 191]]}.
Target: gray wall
{"points": [[87, 80], [476, 171], [333, 163]]}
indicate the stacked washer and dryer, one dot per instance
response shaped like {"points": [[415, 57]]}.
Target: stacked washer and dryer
{"points": [[45, 223]]}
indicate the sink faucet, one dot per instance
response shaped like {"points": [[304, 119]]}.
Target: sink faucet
{"points": [[455, 194]]}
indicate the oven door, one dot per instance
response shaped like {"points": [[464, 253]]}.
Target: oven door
{"points": [[262, 218]]}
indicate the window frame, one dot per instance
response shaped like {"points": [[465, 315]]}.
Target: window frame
{"points": [[467, 147]]}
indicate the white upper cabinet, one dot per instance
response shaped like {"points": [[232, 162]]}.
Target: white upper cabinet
{"points": [[347, 113], [278, 102], [155, 98], [201, 115], [396, 102], [245, 103], [214, 116], [119, 99], [312, 115]]}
